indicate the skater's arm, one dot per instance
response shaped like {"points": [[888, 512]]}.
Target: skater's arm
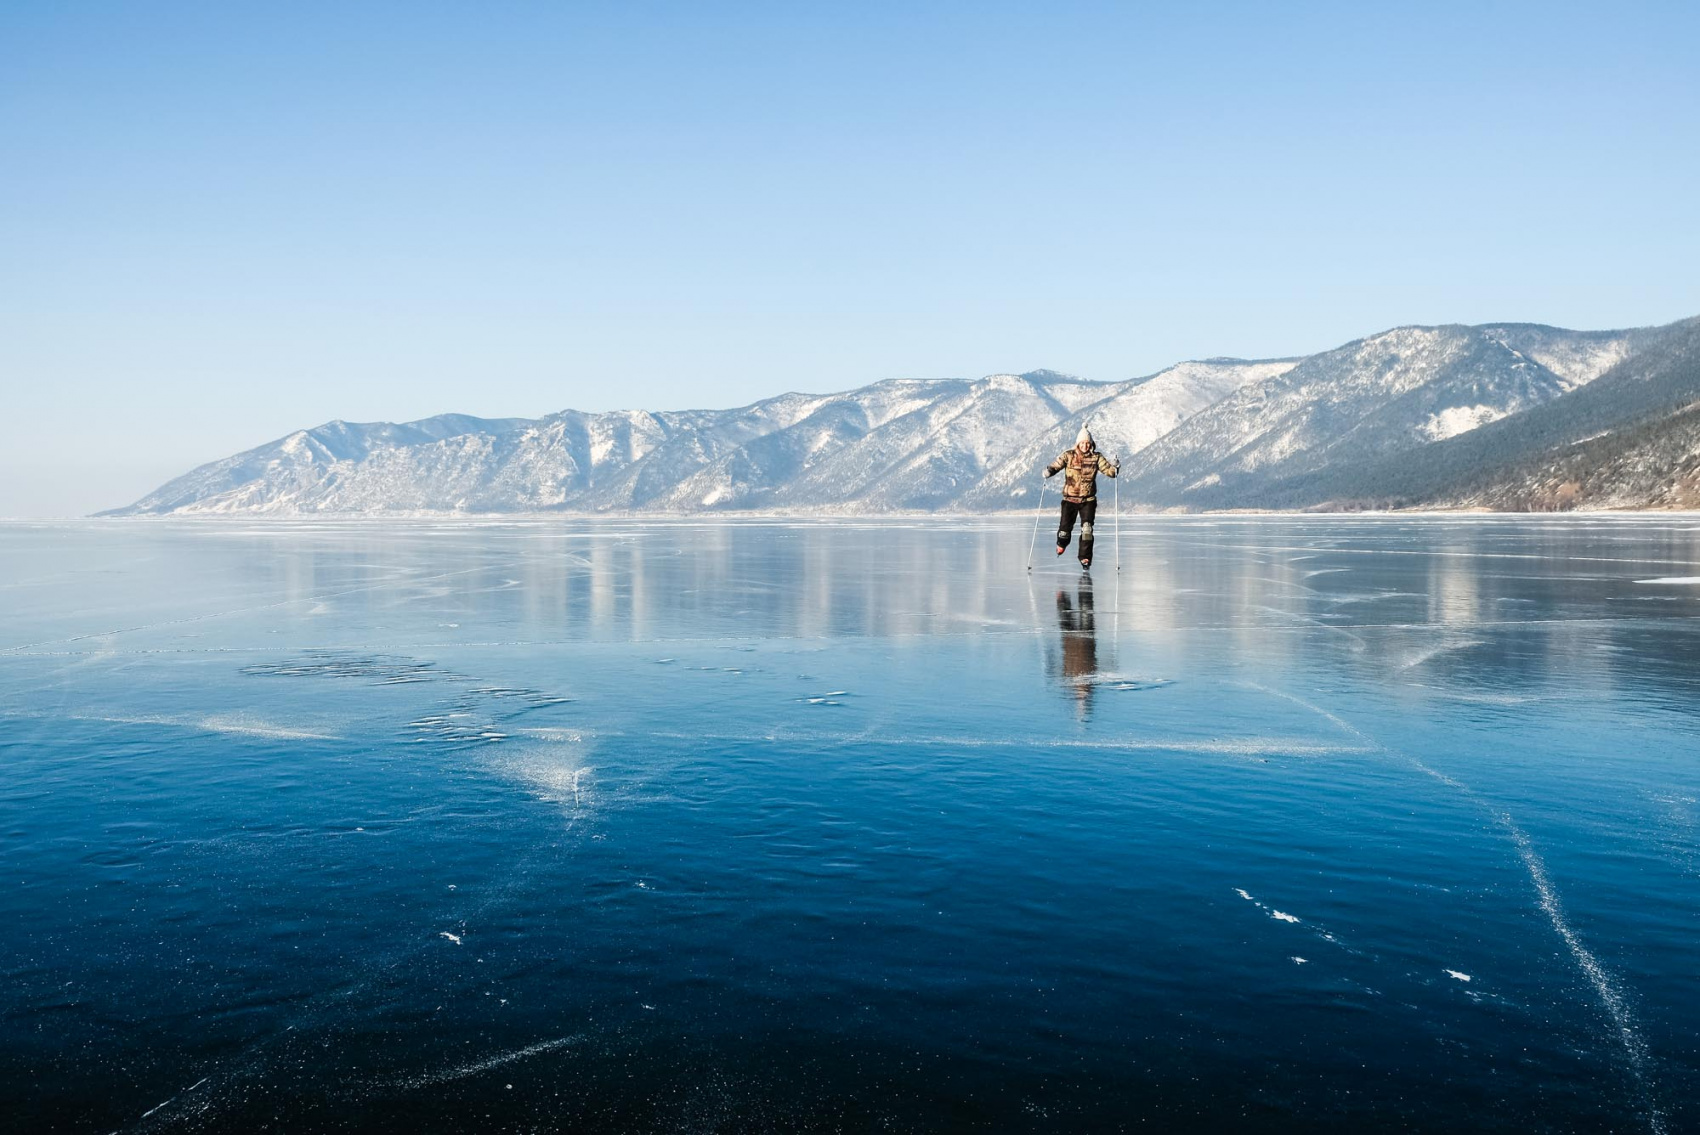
{"points": [[1108, 467], [1051, 469]]}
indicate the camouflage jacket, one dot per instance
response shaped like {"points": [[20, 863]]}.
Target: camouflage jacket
{"points": [[1081, 481]]}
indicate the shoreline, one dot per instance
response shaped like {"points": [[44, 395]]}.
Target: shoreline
{"points": [[768, 516]]}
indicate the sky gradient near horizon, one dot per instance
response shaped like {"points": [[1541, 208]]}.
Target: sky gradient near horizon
{"points": [[220, 223]]}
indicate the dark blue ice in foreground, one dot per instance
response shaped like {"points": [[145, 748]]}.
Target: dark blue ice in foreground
{"points": [[1291, 825]]}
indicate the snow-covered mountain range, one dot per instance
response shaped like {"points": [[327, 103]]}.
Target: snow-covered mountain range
{"points": [[1217, 433], [1388, 395]]}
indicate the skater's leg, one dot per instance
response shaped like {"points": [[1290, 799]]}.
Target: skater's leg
{"points": [[1065, 525], [1088, 513]]}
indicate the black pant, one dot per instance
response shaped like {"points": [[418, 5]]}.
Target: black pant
{"points": [[1087, 511]]}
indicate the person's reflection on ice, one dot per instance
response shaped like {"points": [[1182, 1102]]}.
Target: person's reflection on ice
{"points": [[1076, 618]]}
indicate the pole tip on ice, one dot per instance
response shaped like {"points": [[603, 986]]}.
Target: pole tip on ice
{"points": [[1038, 515]]}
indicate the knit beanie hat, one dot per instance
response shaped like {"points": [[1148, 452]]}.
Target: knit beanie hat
{"points": [[1084, 436]]}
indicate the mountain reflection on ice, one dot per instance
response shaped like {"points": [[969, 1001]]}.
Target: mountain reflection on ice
{"points": [[1306, 823]]}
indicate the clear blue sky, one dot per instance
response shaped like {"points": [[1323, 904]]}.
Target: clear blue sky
{"points": [[222, 222]]}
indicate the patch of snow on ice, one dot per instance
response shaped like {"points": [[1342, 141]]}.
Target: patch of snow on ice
{"points": [[486, 1065], [246, 725]]}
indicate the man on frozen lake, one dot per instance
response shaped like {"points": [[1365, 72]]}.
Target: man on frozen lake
{"points": [[1080, 491]]}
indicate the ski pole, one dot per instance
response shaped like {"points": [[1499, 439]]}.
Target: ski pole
{"points": [[1117, 482], [1038, 516]]}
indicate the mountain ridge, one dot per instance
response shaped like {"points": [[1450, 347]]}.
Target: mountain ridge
{"points": [[1201, 435]]}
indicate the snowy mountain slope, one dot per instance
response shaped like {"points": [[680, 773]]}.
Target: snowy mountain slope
{"points": [[1553, 455], [1652, 464], [314, 463], [1392, 392], [1578, 357], [638, 477], [1407, 415], [1630, 439], [931, 457], [895, 444], [1130, 416]]}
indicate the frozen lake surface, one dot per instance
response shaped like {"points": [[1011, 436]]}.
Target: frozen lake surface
{"points": [[1291, 825]]}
